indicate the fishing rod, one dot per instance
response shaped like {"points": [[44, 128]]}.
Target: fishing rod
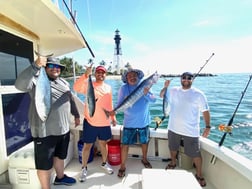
{"points": [[228, 128], [203, 66], [160, 120], [70, 13]]}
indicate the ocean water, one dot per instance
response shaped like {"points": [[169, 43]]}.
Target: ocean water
{"points": [[224, 92]]}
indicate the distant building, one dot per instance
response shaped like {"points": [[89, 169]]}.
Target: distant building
{"points": [[118, 62]]}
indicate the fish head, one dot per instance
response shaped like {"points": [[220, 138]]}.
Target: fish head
{"points": [[155, 77], [152, 79]]}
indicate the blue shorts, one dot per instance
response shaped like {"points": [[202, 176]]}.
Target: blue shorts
{"points": [[91, 133], [45, 149], [135, 135], [191, 144]]}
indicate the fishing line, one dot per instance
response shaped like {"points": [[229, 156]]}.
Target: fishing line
{"points": [[70, 13], [160, 120]]}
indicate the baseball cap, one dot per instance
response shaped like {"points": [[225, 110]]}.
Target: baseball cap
{"points": [[100, 68], [56, 61]]}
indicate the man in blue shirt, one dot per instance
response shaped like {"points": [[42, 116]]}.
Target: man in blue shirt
{"points": [[136, 118]]}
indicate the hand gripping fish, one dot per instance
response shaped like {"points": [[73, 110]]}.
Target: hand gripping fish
{"points": [[136, 94], [90, 97], [43, 93]]}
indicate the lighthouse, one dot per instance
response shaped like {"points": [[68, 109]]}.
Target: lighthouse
{"points": [[118, 63]]}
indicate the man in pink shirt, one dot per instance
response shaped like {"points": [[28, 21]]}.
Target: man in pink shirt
{"points": [[97, 125]]}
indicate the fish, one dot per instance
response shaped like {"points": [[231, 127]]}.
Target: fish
{"points": [[91, 101], [165, 111], [165, 105], [136, 94], [43, 95], [165, 108]]}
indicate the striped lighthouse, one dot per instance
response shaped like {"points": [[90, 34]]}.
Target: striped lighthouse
{"points": [[118, 63]]}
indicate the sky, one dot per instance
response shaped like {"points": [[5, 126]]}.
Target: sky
{"points": [[168, 36]]}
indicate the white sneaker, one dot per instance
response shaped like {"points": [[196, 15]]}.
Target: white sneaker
{"points": [[107, 168], [83, 175]]}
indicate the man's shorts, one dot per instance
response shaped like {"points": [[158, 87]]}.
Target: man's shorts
{"points": [[90, 133], [135, 135], [45, 149], [191, 144]]}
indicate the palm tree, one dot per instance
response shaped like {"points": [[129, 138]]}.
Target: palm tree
{"points": [[103, 63], [128, 65], [90, 61]]}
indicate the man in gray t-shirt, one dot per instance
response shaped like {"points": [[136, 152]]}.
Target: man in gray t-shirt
{"points": [[50, 112]]}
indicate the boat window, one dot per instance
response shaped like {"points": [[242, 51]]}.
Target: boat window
{"points": [[15, 112], [15, 55]]}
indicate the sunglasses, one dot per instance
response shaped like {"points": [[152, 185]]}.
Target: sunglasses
{"points": [[52, 66], [187, 78]]}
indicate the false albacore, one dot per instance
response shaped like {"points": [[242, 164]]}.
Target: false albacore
{"points": [[90, 97], [159, 120], [43, 95], [135, 94]]}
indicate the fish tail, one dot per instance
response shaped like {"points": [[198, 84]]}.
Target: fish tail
{"points": [[106, 113], [159, 121]]}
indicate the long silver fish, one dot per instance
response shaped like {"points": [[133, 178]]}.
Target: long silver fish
{"points": [[165, 111], [43, 95], [136, 94], [90, 97]]}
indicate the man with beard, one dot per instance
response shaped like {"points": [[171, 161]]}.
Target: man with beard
{"points": [[186, 104], [96, 125]]}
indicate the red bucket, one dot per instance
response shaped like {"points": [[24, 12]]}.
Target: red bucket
{"points": [[114, 152]]}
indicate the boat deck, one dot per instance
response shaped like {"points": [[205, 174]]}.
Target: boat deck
{"points": [[98, 179]]}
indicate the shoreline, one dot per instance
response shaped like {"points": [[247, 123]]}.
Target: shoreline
{"points": [[115, 77]]}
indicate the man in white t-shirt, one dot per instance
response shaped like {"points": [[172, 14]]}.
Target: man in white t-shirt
{"points": [[185, 105]]}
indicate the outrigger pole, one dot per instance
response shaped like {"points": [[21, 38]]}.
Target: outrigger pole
{"points": [[228, 128], [157, 119], [70, 13]]}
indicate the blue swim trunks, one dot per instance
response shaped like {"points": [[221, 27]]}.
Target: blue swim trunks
{"points": [[135, 135]]}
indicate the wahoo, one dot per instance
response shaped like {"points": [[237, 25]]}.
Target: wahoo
{"points": [[136, 94], [43, 95], [90, 97]]}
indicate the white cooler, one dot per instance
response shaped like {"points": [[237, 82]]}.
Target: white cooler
{"points": [[22, 172]]}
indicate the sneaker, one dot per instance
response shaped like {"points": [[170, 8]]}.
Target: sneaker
{"points": [[107, 168], [83, 175], [64, 181]]}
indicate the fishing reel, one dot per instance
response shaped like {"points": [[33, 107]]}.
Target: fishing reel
{"points": [[225, 128]]}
